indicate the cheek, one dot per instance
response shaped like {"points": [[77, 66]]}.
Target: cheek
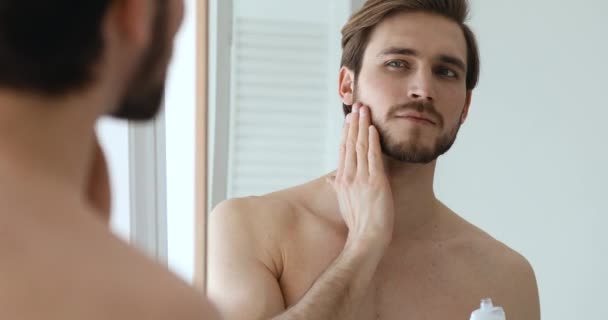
{"points": [[453, 101], [379, 91]]}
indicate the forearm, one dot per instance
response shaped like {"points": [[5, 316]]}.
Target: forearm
{"points": [[338, 292]]}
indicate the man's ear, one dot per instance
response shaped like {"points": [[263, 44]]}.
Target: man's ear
{"points": [[133, 19], [346, 86], [467, 105]]}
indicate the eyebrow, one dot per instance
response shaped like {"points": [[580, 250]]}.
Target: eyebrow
{"points": [[445, 58]]}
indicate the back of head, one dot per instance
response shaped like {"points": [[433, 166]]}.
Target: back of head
{"points": [[356, 33], [50, 47]]}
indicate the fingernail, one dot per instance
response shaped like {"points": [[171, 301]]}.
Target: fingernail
{"points": [[356, 107], [348, 116], [363, 111]]}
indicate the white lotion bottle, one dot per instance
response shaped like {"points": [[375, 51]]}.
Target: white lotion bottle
{"points": [[488, 311]]}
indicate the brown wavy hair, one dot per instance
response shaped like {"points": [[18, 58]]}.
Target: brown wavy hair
{"points": [[357, 31]]}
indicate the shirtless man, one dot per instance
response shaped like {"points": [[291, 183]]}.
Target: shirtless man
{"points": [[371, 241], [63, 64]]}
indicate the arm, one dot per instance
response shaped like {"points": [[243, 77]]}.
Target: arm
{"points": [[242, 278], [243, 284], [366, 206], [519, 289], [341, 288]]}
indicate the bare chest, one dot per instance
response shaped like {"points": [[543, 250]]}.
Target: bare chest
{"points": [[421, 282]]}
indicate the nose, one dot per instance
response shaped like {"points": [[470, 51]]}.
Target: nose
{"points": [[421, 87]]}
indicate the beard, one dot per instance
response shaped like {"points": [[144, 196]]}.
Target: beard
{"points": [[412, 151], [144, 95]]}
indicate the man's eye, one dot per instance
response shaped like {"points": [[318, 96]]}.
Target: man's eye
{"points": [[396, 64], [446, 72]]}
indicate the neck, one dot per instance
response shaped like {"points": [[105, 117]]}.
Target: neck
{"points": [[416, 207], [48, 140], [415, 203]]}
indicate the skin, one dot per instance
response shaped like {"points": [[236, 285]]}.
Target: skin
{"points": [[371, 240], [60, 260], [98, 189]]}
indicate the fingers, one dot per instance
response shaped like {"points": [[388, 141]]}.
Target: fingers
{"points": [[358, 146], [350, 161], [342, 155], [362, 142], [374, 155]]}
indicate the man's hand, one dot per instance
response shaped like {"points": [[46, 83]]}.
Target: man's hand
{"points": [[361, 185], [246, 288]]}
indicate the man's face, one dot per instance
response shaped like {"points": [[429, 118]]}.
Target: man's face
{"points": [[145, 92], [413, 78]]}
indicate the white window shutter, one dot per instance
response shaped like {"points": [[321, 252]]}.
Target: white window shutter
{"points": [[279, 104]]}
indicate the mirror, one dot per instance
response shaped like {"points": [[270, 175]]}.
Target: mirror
{"points": [[529, 164]]}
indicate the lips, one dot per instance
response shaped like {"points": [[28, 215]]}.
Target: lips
{"points": [[417, 117]]}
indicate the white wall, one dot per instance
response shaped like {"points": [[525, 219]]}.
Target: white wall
{"points": [[114, 139], [180, 104], [530, 164]]}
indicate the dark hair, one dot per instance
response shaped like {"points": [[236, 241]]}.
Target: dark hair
{"points": [[356, 32], [50, 46]]}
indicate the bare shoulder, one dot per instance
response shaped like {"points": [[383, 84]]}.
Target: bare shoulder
{"points": [[269, 219], [259, 216], [254, 208], [252, 226], [505, 274], [66, 264], [278, 211]]}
